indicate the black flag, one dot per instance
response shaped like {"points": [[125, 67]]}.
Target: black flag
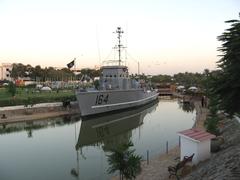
{"points": [[71, 64]]}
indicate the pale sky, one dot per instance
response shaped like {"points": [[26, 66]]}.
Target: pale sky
{"points": [[166, 37]]}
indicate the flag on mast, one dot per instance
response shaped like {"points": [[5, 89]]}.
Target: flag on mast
{"points": [[71, 64]]}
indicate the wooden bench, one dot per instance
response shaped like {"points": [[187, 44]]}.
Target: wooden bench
{"points": [[174, 169]]}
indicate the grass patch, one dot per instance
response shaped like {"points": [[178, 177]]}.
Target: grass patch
{"points": [[23, 95]]}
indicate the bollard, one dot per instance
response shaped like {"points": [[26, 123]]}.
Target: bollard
{"points": [[147, 157], [167, 147], [179, 141]]}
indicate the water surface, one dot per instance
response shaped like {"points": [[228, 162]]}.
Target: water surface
{"points": [[61, 148]]}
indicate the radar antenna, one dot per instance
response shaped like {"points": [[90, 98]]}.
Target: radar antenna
{"points": [[119, 31]]}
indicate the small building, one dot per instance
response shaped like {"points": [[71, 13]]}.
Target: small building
{"points": [[195, 141], [5, 71]]}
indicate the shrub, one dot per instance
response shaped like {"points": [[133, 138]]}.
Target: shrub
{"points": [[211, 124], [12, 88]]}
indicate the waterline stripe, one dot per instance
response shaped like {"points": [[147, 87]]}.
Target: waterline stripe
{"points": [[116, 120], [117, 104]]}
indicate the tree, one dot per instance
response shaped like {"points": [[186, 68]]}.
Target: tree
{"points": [[18, 70], [189, 79], [161, 79], [226, 85], [92, 73], [124, 160], [12, 88], [37, 73]]}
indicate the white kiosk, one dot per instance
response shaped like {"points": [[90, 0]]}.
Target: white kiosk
{"points": [[195, 141]]}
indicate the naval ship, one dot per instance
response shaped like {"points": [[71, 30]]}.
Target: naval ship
{"points": [[117, 89]]}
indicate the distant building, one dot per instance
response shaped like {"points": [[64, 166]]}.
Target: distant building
{"points": [[5, 70]]}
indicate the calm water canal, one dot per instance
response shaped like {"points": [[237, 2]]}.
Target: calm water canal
{"points": [[61, 148]]}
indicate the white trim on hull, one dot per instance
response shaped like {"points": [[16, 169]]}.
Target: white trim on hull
{"points": [[117, 104]]}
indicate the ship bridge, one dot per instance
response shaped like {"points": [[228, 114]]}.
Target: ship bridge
{"points": [[116, 77]]}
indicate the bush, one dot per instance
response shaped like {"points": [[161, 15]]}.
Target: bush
{"points": [[29, 102], [211, 124], [12, 88]]}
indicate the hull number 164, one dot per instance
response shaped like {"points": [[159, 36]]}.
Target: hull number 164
{"points": [[101, 99]]}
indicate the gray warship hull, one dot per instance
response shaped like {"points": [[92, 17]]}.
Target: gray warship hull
{"points": [[96, 102]]}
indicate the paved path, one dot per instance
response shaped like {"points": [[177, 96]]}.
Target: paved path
{"points": [[201, 115], [157, 167]]}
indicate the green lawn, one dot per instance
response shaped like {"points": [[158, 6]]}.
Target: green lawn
{"points": [[28, 96]]}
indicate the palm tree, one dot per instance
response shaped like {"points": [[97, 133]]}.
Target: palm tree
{"points": [[124, 160]]}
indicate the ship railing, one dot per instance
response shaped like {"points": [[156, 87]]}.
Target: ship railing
{"points": [[113, 63]]}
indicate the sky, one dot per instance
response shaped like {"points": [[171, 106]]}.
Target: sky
{"points": [[164, 36]]}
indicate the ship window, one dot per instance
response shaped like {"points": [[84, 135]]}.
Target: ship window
{"points": [[110, 75], [115, 75], [120, 75]]}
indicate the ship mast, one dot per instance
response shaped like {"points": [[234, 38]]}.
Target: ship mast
{"points": [[119, 46]]}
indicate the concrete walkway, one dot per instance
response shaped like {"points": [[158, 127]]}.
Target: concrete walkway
{"points": [[157, 169]]}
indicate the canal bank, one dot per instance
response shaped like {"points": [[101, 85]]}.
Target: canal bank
{"points": [[12, 114]]}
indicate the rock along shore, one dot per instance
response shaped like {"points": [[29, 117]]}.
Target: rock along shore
{"points": [[225, 164]]}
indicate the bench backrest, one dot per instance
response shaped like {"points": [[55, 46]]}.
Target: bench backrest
{"points": [[184, 161], [188, 158]]}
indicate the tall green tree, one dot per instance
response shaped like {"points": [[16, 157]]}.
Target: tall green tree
{"points": [[124, 160], [226, 85]]}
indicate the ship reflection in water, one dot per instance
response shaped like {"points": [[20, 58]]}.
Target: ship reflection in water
{"points": [[113, 129], [110, 130]]}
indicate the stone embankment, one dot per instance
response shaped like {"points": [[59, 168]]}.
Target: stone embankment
{"points": [[13, 114], [225, 164]]}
